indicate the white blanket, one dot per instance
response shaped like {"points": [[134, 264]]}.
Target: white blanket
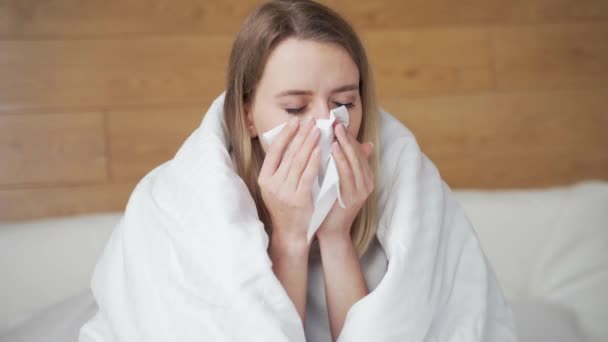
{"points": [[188, 262]]}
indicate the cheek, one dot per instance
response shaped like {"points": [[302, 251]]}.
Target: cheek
{"points": [[266, 118]]}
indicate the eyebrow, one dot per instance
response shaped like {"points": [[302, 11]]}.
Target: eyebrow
{"points": [[294, 92], [342, 89], [345, 88]]}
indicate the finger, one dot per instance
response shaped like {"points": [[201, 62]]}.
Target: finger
{"points": [[277, 148], [367, 149], [370, 178], [350, 150], [306, 126], [298, 140], [363, 152], [301, 157], [310, 172], [347, 182]]}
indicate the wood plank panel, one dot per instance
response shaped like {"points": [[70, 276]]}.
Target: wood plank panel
{"points": [[165, 71], [142, 140], [66, 148], [548, 138], [516, 170], [71, 18], [390, 14], [115, 72], [31, 203], [518, 121], [429, 62], [551, 56], [95, 94]]}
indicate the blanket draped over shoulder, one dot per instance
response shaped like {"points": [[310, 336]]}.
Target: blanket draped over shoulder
{"points": [[188, 261]]}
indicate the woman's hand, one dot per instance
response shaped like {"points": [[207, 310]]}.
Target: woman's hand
{"points": [[356, 183], [287, 176], [286, 182], [344, 281]]}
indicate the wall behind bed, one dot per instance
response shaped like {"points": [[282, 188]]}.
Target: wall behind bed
{"points": [[93, 94]]}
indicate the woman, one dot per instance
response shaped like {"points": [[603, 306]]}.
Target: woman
{"points": [[214, 246]]}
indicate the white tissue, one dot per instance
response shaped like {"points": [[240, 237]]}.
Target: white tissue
{"points": [[326, 187]]}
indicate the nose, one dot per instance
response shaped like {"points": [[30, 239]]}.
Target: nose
{"points": [[320, 111]]}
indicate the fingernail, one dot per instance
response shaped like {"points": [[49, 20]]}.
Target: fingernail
{"points": [[372, 144]]}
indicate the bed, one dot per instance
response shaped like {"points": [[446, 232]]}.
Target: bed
{"points": [[548, 246]]}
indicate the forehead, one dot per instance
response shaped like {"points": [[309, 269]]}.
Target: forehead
{"points": [[308, 65]]}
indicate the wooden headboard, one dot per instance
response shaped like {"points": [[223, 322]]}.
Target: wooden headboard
{"points": [[94, 94]]}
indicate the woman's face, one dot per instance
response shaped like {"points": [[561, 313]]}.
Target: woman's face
{"points": [[305, 78]]}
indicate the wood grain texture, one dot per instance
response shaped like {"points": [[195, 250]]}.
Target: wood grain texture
{"points": [[521, 139], [39, 74], [30, 203], [72, 18], [429, 62], [164, 71], [493, 170], [508, 122], [59, 18], [142, 140], [50, 148], [94, 94], [562, 56], [161, 71], [390, 14]]}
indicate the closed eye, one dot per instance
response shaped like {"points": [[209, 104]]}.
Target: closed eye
{"points": [[295, 110], [347, 105]]}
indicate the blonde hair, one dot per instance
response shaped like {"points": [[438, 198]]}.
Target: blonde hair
{"points": [[262, 31]]}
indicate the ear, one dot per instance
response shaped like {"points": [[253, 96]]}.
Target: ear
{"points": [[249, 121]]}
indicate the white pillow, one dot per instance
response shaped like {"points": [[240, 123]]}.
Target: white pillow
{"points": [[549, 245], [58, 323], [45, 261], [543, 321]]}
